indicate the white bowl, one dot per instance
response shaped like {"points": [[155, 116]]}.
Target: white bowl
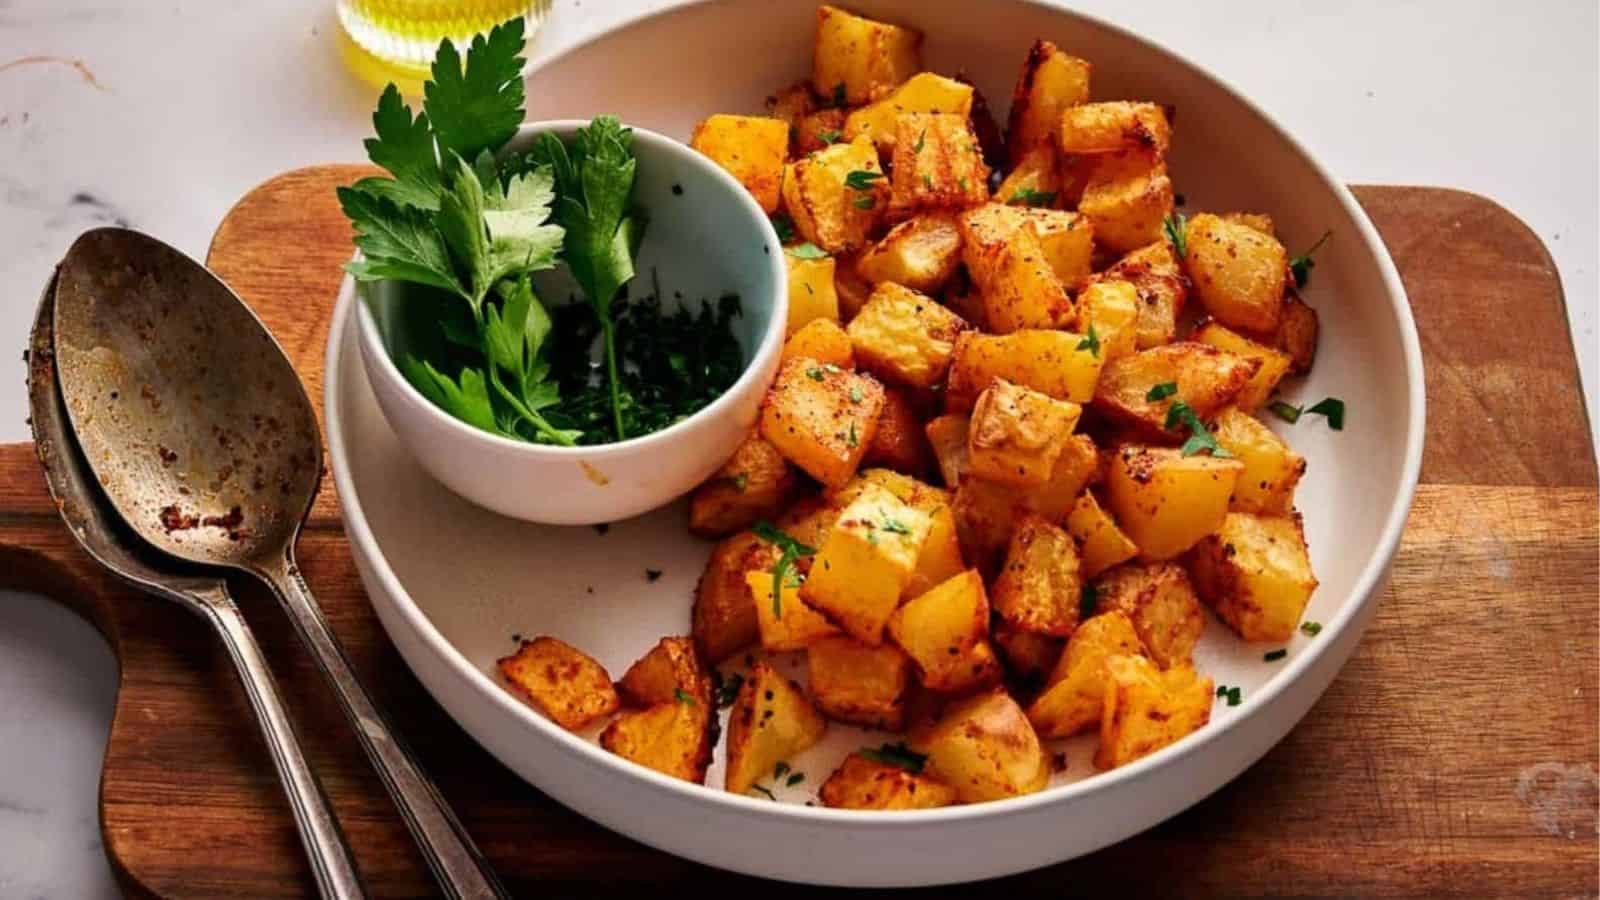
{"points": [[706, 237], [451, 583]]}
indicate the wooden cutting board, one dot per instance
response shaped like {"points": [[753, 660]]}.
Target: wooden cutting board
{"points": [[1454, 756]]}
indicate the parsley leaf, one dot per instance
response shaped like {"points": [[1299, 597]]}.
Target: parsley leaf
{"points": [[1333, 409], [829, 137], [683, 697], [1300, 266], [1274, 655], [898, 755], [921, 138], [1162, 391], [404, 146], [792, 551], [477, 107], [1311, 629], [1286, 411], [1200, 440], [807, 250], [1091, 342], [863, 202], [397, 242], [861, 179], [465, 397], [1176, 227], [1030, 197]]}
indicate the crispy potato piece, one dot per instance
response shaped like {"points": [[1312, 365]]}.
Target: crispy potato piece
{"points": [[1274, 363], [852, 682], [855, 56], [1207, 379], [673, 738], [1008, 263], [904, 336], [830, 208], [821, 418], [987, 512], [668, 673], [792, 625], [1259, 221], [818, 130], [861, 783], [1017, 434], [1050, 83], [1112, 308], [771, 720], [755, 483], [1033, 180], [945, 632], [560, 680], [1039, 588], [921, 253], [1127, 197], [1255, 571], [1272, 469], [1297, 334], [899, 443], [1147, 709], [1161, 602], [1102, 543], [1055, 363], [1074, 697], [723, 621], [985, 749], [1165, 501], [811, 293], [923, 94], [792, 104], [1067, 239], [1239, 273], [1115, 127], [1028, 655], [853, 290], [1154, 272], [823, 340], [947, 435], [965, 300], [940, 558], [809, 521], [862, 570], [938, 165], [751, 148]]}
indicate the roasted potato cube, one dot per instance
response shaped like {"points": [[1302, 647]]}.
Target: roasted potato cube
{"points": [[1161, 602], [1067, 239], [811, 293], [673, 738], [965, 300], [1102, 544], [1028, 655], [864, 567], [861, 783], [823, 340], [1115, 127], [723, 621], [1017, 434], [1239, 273], [904, 336], [852, 682], [771, 720], [1033, 180], [1039, 589], [899, 443], [1274, 363], [751, 148], [1297, 334], [1051, 82], [1259, 221], [792, 104], [1075, 694], [856, 56], [1165, 501], [984, 748], [791, 624], [1207, 379], [938, 165], [941, 553], [945, 632], [818, 130], [1255, 571], [808, 521], [755, 483], [562, 681], [821, 418], [920, 253], [671, 671], [947, 435], [836, 195], [1060, 364], [1147, 709], [1127, 197], [1008, 264], [1272, 469], [924, 93], [986, 512], [853, 290], [1154, 272], [1112, 308]]}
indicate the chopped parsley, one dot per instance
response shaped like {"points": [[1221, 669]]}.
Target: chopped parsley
{"points": [[1200, 440], [855, 393], [782, 571], [1030, 197], [1274, 655], [962, 183], [1333, 409], [1176, 227], [1311, 629], [866, 202], [815, 373], [1162, 391], [920, 139], [795, 779], [728, 691], [1091, 342], [898, 755], [895, 526], [807, 250], [853, 441], [1286, 411], [1230, 694], [741, 481], [1300, 266], [683, 696], [861, 179], [829, 137], [927, 182], [780, 770]]}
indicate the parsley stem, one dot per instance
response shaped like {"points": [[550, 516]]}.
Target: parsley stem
{"points": [[612, 376], [537, 421]]}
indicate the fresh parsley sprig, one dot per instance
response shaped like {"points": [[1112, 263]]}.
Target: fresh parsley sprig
{"points": [[1300, 266], [1200, 439], [1176, 227], [1332, 408], [898, 755], [1030, 197], [791, 551], [1091, 342]]}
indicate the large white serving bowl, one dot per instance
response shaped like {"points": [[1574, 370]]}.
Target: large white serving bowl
{"points": [[452, 583]]}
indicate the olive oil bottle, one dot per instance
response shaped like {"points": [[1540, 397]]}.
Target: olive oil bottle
{"points": [[394, 40]]}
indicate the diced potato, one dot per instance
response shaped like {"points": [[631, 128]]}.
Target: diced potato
{"points": [[1016, 434], [864, 567], [1147, 709], [1028, 655], [856, 56], [861, 783], [673, 738], [1067, 239], [965, 300], [1050, 83], [940, 558], [1039, 588], [751, 148], [823, 340], [1161, 602], [1272, 469], [1112, 307], [670, 672], [771, 720], [1115, 127], [853, 290], [852, 682], [1239, 273], [1297, 333], [1127, 197], [920, 253], [938, 165], [1076, 468], [792, 625], [904, 336], [811, 294], [827, 210], [821, 418], [1102, 543], [1008, 264], [792, 104], [1033, 180], [1074, 696], [899, 442], [818, 130], [924, 93], [1274, 363], [723, 621], [565, 683], [755, 483], [1167, 502], [1056, 363], [948, 437], [985, 749], [1259, 221], [1153, 271], [808, 521], [1207, 379], [945, 632], [987, 512], [1255, 571]]}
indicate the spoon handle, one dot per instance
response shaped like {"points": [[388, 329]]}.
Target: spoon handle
{"points": [[458, 867], [331, 863]]}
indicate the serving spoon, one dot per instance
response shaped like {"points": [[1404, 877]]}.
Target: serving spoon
{"points": [[196, 426]]}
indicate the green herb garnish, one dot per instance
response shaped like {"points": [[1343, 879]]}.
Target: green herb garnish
{"points": [[1333, 409], [795, 779], [1162, 391], [1231, 694], [1311, 629], [757, 787], [895, 526], [829, 137], [741, 481], [1300, 266], [927, 182], [1091, 342], [863, 202], [853, 440], [1200, 440], [898, 755], [861, 179], [683, 696], [780, 770], [728, 691], [1030, 197], [1285, 411], [1274, 655], [791, 552], [815, 373], [920, 139], [1176, 227], [807, 250]]}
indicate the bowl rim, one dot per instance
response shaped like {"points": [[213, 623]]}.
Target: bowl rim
{"points": [[382, 363], [1360, 596]]}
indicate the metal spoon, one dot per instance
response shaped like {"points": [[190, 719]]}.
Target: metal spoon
{"points": [[198, 429], [94, 526]]}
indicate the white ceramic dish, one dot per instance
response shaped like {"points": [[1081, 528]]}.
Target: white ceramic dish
{"points": [[707, 237], [451, 583]]}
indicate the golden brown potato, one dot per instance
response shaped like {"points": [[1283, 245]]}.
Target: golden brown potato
{"points": [[1239, 273], [920, 253], [833, 204], [1016, 434], [1272, 469], [940, 558], [1074, 696], [1165, 501], [1206, 379], [903, 336], [862, 783], [560, 680], [852, 682], [1114, 127], [938, 165], [771, 720], [1127, 197], [1007, 262], [1154, 272], [1274, 363], [1039, 588], [1162, 605], [1028, 655], [788, 625], [755, 483], [1033, 180], [751, 148], [856, 56], [899, 442], [818, 130], [821, 418], [823, 340], [792, 104], [811, 293], [1102, 543], [965, 300], [673, 738], [853, 290], [670, 672], [945, 632], [947, 435], [986, 512], [984, 748], [723, 621], [809, 521], [863, 568], [1255, 571], [1050, 83], [1112, 309], [1297, 334], [1067, 239], [1259, 221], [923, 94], [1147, 709], [1060, 364]]}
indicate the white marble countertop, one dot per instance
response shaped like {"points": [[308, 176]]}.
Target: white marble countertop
{"points": [[178, 108]]}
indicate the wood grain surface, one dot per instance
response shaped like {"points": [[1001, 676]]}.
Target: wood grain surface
{"points": [[1453, 757]]}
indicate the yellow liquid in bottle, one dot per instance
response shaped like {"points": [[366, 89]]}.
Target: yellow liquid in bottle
{"points": [[394, 40]]}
